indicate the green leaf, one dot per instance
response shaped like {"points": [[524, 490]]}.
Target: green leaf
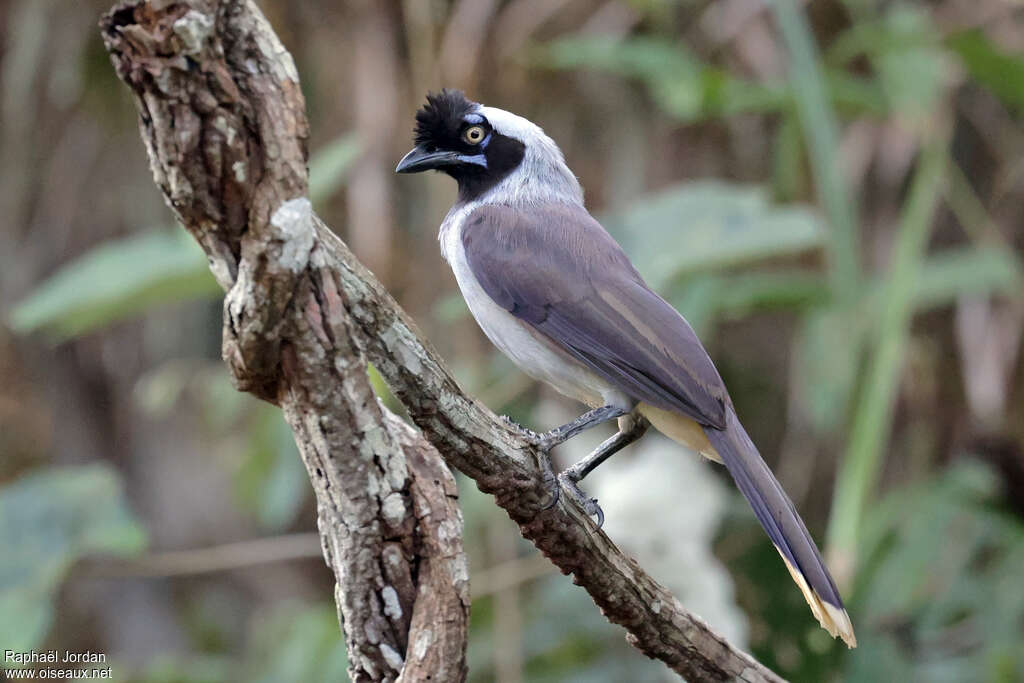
{"points": [[789, 175], [855, 95], [818, 122], [705, 225], [826, 352], [127, 276], [909, 59], [681, 84], [741, 294], [450, 308], [912, 63], [950, 274], [269, 478], [329, 166], [287, 643], [380, 387], [639, 57], [295, 643], [704, 297], [696, 298], [938, 590], [967, 271], [194, 667], [119, 278], [48, 520], [872, 419], [995, 70], [272, 480]]}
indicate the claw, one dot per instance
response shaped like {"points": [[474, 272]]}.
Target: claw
{"points": [[543, 442], [550, 481], [532, 437], [588, 504], [555, 491], [594, 510], [512, 423]]}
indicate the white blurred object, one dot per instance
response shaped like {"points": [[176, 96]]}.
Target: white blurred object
{"points": [[988, 336], [663, 505]]}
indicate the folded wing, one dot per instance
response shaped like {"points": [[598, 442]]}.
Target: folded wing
{"points": [[557, 269]]}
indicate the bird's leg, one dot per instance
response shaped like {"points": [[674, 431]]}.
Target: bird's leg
{"points": [[548, 440], [633, 429]]}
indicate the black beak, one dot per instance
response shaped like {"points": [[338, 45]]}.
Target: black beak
{"points": [[420, 159]]}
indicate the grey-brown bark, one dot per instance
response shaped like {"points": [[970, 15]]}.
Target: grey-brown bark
{"points": [[223, 120]]}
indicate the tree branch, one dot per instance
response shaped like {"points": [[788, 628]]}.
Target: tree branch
{"points": [[223, 120]]}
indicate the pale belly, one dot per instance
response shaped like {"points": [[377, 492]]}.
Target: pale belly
{"points": [[532, 353]]}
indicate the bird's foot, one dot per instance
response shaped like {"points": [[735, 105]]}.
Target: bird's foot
{"points": [[517, 427], [550, 482], [569, 480], [544, 443], [541, 441]]}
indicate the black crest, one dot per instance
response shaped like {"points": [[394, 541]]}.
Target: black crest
{"points": [[477, 165], [439, 120]]}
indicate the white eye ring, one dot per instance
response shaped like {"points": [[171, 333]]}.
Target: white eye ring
{"points": [[474, 135]]}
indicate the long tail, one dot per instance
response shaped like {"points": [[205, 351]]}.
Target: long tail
{"points": [[784, 526]]}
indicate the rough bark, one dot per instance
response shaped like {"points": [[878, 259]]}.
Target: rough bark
{"points": [[223, 119], [224, 122]]}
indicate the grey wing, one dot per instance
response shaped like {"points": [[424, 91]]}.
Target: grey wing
{"points": [[558, 270]]}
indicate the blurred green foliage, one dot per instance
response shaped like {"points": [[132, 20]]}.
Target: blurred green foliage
{"points": [[991, 67], [48, 520], [270, 480], [296, 643], [292, 643], [123, 277], [934, 599], [726, 225], [938, 591], [132, 275], [678, 81]]}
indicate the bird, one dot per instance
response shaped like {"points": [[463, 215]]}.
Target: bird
{"points": [[553, 291]]}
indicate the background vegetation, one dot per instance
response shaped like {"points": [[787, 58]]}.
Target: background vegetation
{"points": [[831, 193]]}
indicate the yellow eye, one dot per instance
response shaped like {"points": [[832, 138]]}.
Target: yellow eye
{"points": [[474, 135]]}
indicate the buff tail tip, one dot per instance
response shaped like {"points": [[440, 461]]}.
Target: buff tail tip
{"points": [[833, 618]]}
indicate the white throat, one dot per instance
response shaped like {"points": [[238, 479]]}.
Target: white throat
{"points": [[542, 177]]}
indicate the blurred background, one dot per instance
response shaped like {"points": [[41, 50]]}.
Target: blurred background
{"points": [[830, 192]]}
